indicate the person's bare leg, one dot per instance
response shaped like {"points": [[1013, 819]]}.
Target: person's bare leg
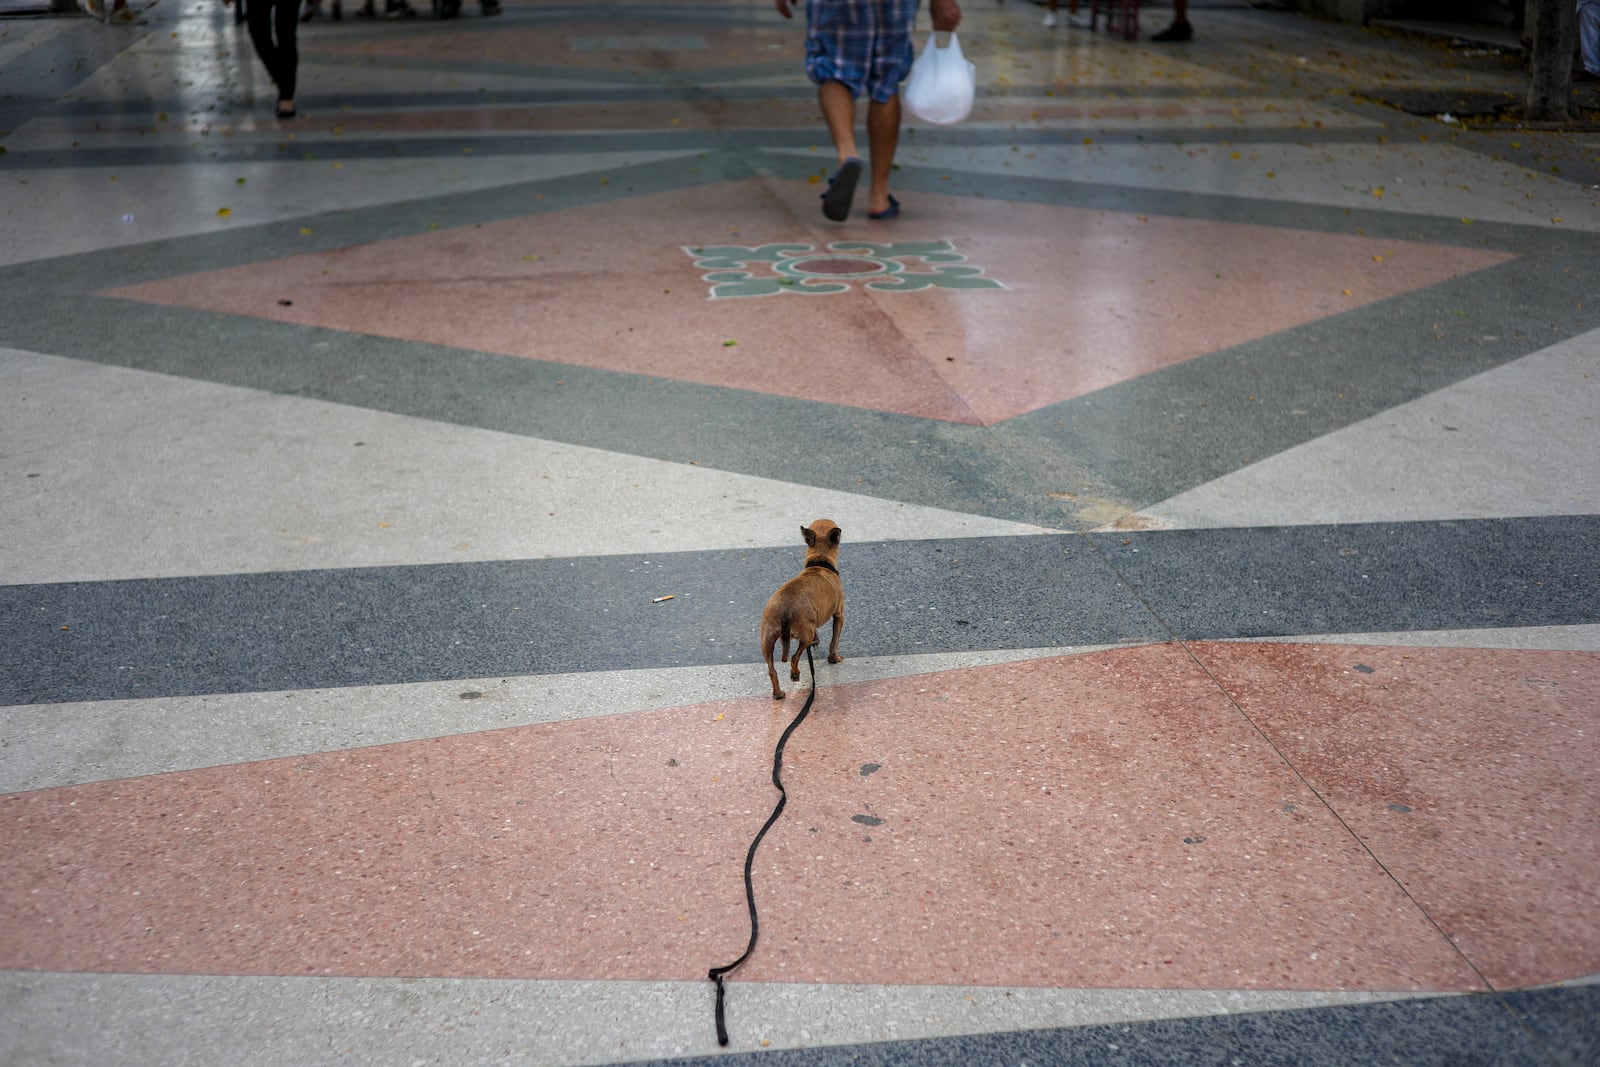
{"points": [[839, 112], [883, 135]]}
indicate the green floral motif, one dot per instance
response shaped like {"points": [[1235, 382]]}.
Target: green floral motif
{"points": [[732, 257], [928, 251], [736, 270]]}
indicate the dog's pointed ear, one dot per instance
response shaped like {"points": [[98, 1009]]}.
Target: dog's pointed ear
{"points": [[809, 535], [833, 535]]}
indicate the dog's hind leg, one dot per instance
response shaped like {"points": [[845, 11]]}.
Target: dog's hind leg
{"points": [[805, 636], [768, 639]]}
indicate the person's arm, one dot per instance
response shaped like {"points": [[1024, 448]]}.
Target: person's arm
{"points": [[946, 14]]}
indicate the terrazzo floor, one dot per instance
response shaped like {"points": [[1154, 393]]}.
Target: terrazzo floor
{"points": [[390, 498]]}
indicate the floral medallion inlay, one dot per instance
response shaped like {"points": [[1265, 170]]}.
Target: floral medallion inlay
{"points": [[903, 266]]}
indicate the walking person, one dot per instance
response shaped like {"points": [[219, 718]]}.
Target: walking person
{"points": [[855, 47], [1075, 18], [272, 29], [1180, 30], [1588, 41]]}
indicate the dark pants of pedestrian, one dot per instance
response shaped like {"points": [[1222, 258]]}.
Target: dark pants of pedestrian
{"points": [[280, 55]]}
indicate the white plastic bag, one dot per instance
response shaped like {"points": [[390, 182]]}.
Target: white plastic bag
{"points": [[942, 84]]}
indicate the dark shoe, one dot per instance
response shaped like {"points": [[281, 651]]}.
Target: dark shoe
{"points": [[285, 111], [491, 7], [398, 9], [1178, 31], [841, 190], [887, 213]]}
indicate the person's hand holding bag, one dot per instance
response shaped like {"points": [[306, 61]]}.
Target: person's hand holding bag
{"points": [[946, 15], [942, 84]]}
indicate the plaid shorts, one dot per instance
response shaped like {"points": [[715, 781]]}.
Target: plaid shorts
{"points": [[866, 44]]}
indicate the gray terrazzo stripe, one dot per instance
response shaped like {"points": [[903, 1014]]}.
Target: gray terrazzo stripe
{"points": [[631, 86], [371, 626], [710, 142], [1454, 1031], [1273, 581]]}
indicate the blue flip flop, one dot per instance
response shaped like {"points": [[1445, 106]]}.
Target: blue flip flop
{"points": [[841, 190], [887, 213]]}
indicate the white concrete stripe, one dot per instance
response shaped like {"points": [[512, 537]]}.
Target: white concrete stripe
{"points": [[68, 744], [23, 35], [1439, 180], [171, 1021], [66, 211], [1520, 440], [192, 478]]}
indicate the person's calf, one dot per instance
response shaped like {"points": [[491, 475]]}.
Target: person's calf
{"points": [[839, 113], [883, 137]]}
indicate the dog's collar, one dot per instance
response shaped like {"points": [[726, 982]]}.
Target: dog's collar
{"points": [[824, 564]]}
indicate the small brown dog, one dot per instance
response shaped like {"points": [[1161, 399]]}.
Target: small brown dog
{"points": [[805, 602]]}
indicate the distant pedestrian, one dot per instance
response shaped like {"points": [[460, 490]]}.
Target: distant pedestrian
{"points": [[1180, 30], [313, 8], [118, 14], [1589, 41], [855, 47], [1075, 18], [272, 29]]}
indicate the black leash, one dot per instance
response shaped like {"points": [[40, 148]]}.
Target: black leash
{"points": [[750, 857]]}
